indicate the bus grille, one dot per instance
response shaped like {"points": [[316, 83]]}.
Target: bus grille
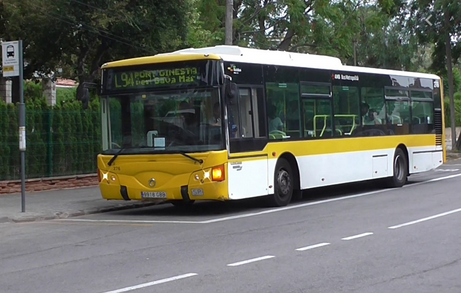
{"points": [[438, 127]]}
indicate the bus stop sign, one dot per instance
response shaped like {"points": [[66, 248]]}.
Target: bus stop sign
{"points": [[10, 58]]}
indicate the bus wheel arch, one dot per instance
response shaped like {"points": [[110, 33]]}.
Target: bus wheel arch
{"points": [[400, 167]]}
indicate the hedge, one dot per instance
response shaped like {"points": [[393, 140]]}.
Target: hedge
{"points": [[61, 140]]}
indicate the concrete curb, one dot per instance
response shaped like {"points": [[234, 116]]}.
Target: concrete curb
{"points": [[71, 214]]}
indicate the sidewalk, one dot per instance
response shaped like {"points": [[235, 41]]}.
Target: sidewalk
{"points": [[58, 204]]}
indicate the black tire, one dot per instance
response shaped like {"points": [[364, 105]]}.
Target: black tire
{"points": [[297, 195], [283, 184], [400, 169]]}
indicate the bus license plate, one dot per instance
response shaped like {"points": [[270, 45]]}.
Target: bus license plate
{"points": [[153, 194]]}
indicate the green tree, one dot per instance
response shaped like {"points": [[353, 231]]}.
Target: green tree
{"points": [[85, 34], [439, 22], [207, 23]]}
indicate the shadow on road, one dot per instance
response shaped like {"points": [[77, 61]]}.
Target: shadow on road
{"points": [[204, 209]]}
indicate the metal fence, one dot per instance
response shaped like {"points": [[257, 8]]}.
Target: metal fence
{"points": [[63, 140]]}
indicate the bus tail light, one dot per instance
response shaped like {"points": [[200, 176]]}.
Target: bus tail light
{"points": [[217, 173]]}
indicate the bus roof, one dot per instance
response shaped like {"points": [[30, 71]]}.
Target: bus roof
{"points": [[259, 56], [284, 58], [160, 58]]}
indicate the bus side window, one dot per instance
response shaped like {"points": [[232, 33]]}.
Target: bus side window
{"points": [[422, 117]]}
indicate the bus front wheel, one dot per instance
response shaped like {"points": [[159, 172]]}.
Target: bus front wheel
{"points": [[400, 169], [283, 184]]}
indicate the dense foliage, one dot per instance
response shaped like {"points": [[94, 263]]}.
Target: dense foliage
{"points": [[73, 38], [63, 140]]}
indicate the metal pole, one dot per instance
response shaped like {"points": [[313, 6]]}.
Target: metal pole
{"points": [[450, 81], [229, 20], [22, 128]]}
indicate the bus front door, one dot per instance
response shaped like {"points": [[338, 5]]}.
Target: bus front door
{"points": [[248, 164]]}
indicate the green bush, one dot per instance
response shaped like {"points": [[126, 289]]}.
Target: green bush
{"points": [[32, 90], [60, 140], [65, 94]]}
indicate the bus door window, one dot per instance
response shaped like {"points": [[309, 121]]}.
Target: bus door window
{"points": [[346, 105], [317, 117], [283, 116], [249, 113], [233, 117], [259, 112], [246, 112], [317, 109]]}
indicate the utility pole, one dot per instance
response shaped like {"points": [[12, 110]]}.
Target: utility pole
{"points": [[450, 82], [229, 21]]}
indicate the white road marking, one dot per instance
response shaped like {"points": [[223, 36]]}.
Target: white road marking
{"points": [[132, 221], [312, 246], [293, 207], [446, 170], [434, 180], [249, 261], [357, 236], [425, 219], [270, 211], [237, 216], [144, 285]]}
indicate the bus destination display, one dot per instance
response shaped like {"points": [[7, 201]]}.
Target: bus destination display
{"points": [[139, 79]]}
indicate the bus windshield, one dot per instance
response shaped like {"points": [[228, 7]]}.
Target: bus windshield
{"points": [[176, 121]]}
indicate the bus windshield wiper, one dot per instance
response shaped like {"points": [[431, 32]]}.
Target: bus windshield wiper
{"points": [[200, 161], [111, 161], [115, 156]]}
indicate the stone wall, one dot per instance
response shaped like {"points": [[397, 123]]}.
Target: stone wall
{"points": [[5, 90], [42, 184]]}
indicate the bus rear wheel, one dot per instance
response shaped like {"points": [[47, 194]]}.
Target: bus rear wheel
{"points": [[283, 184], [400, 169]]}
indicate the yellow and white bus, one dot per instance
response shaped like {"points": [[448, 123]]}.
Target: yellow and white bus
{"points": [[228, 123]]}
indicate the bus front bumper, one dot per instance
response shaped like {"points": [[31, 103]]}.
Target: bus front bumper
{"points": [[112, 188]]}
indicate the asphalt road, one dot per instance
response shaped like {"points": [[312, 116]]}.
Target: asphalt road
{"points": [[355, 238]]}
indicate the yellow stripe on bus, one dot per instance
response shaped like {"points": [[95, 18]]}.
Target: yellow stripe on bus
{"points": [[337, 146]]}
